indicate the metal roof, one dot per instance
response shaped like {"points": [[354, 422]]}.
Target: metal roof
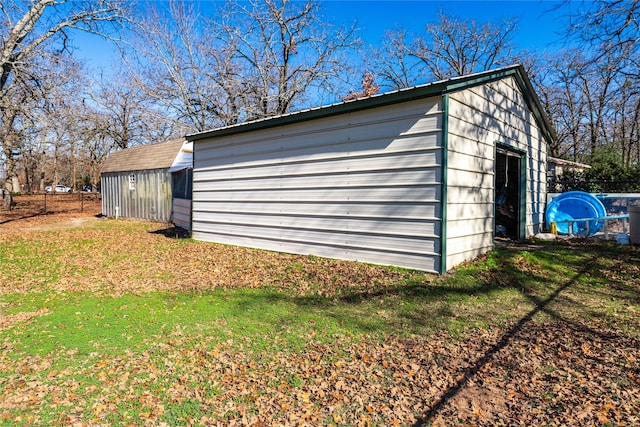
{"points": [[144, 157], [564, 162], [423, 91]]}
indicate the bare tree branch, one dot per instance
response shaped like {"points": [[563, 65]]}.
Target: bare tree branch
{"points": [[28, 55], [252, 60], [455, 48], [448, 48]]}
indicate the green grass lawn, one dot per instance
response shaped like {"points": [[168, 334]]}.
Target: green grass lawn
{"points": [[115, 324]]}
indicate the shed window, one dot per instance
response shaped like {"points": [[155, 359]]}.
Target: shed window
{"points": [[182, 181], [132, 182]]}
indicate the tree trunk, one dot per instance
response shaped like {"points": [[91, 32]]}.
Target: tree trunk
{"points": [[11, 183], [8, 197]]}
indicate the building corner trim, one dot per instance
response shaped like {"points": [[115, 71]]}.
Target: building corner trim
{"points": [[443, 193]]}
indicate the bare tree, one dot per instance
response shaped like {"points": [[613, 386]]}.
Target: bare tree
{"points": [[125, 114], [287, 51], [626, 132], [32, 31], [12, 125], [449, 47], [172, 67], [592, 87], [610, 34], [247, 61], [58, 121], [453, 47], [609, 25], [393, 61], [27, 26], [557, 83], [592, 105]]}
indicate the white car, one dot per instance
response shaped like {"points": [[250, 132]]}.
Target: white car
{"points": [[58, 189]]}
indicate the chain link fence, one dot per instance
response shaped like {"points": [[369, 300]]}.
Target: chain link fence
{"points": [[31, 205], [593, 186]]}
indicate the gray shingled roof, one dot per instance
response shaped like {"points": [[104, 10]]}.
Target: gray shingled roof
{"points": [[143, 157]]}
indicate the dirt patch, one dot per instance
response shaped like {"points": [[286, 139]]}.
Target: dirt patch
{"points": [[62, 224], [476, 400], [45, 211]]}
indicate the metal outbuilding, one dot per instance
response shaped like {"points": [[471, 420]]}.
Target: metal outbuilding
{"points": [[151, 182], [421, 178]]}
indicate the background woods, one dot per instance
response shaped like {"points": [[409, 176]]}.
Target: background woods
{"points": [[36, 67], [192, 66]]}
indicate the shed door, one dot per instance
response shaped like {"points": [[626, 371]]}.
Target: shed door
{"points": [[508, 188]]}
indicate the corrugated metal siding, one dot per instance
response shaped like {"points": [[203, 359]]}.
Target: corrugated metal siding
{"points": [[360, 186], [150, 200], [478, 118], [182, 213]]}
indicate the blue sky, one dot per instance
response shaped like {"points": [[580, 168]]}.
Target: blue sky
{"points": [[537, 27], [538, 24]]}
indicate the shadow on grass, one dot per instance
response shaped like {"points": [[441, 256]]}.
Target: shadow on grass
{"points": [[25, 215], [519, 274], [590, 266], [173, 233], [504, 341], [558, 280]]}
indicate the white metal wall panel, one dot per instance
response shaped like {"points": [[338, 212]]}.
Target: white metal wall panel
{"points": [[150, 199], [479, 117], [364, 186], [389, 210], [465, 248], [182, 213]]}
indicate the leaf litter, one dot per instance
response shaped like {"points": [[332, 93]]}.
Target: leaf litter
{"points": [[534, 372]]}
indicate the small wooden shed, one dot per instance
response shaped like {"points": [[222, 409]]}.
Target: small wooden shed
{"points": [[419, 178], [151, 182], [556, 169]]}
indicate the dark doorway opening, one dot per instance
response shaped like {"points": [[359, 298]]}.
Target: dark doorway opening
{"points": [[507, 194]]}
